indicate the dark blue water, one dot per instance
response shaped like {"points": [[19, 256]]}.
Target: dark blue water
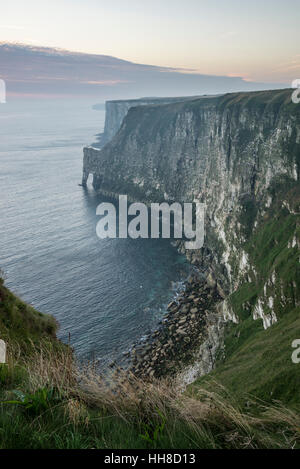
{"points": [[105, 293]]}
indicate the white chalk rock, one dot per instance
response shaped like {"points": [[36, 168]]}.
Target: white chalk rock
{"points": [[2, 351]]}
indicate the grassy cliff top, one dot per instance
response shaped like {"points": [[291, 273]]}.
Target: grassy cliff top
{"points": [[156, 118], [155, 99], [252, 98], [21, 323]]}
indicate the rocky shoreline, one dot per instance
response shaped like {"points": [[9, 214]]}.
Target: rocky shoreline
{"points": [[175, 343]]}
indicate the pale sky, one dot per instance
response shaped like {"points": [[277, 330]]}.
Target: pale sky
{"points": [[255, 39]]}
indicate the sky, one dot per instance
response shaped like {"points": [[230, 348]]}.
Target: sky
{"points": [[257, 40]]}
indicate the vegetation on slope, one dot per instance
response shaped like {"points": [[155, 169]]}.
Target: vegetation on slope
{"points": [[259, 362], [56, 405], [21, 322], [48, 402]]}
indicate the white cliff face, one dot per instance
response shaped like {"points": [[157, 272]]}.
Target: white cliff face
{"points": [[225, 152], [265, 306], [259, 313], [293, 243], [289, 208], [228, 313], [205, 357]]}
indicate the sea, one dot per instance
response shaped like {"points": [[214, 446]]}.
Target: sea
{"points": [[105, 294]]}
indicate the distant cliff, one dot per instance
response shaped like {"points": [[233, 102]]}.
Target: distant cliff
{"points": [[240, 154], [117, 110]]}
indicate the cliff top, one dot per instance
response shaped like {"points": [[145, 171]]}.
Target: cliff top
{"points": [[155, 99]]}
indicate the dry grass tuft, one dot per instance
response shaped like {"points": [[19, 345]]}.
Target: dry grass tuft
{"points": [[213, 418]]}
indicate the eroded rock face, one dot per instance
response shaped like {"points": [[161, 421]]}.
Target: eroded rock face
{"points": [[226, 152]]}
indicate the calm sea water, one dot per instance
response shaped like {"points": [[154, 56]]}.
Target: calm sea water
{"points": [[105, 293]]}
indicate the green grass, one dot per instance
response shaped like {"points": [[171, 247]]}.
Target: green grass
{"points": [[22, 324], [47, 402], [258, 362], [59, 414]]}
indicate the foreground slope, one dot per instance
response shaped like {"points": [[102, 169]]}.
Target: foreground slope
{"points": [[47, 402]]}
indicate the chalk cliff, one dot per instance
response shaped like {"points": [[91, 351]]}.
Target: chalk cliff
{"points": [[240, 155]]}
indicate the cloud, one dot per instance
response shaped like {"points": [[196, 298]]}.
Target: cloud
{"points": [[35, 70], [105, 82]]}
